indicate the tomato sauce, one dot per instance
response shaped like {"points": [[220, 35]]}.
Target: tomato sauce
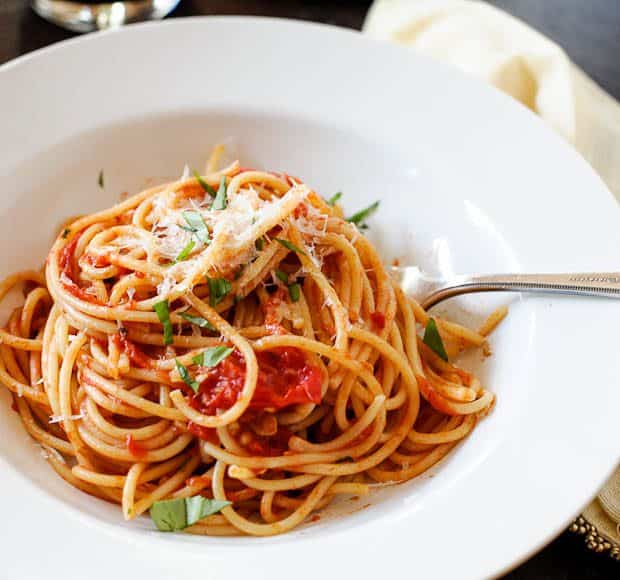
{"points": [[362, 436], [301, 210], [433, 397], [241, 495], [134, 447], [272, 446], [96, 261], [290, 179], [285, 377], [198, 481], [465, 376], [105, 261], [378, 320], [204, 433], [136, 356], [64, 260], [271, 310], [66, 267]]}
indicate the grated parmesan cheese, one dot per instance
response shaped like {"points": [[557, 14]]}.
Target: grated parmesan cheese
{"points": [[60, 418], [47, 452], [312, 224], [65, 279], [234, 230], [165, 286]]}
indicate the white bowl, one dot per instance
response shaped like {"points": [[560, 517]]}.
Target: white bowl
{"points": [[469, 181]]}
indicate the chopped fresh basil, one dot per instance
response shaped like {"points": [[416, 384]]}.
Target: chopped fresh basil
{"points": [[333, 200], [197, 225], [282, 276], [204, 184], [198, 321], [163, 313], [173, 515], [199, 507], [239, 272], [212, 356], [65, 233], [361, 216], [294, 291], [259, 244], [290, 246], [218, 288], [220, 197], [185, 376], [432, 339], [100, 179], [185, 251], [169, 515]]}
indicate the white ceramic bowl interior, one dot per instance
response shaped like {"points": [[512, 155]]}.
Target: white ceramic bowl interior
{"points": [[468, 182]]}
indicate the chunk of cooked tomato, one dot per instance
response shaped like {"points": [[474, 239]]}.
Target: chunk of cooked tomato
{"points": [[285, 377]]}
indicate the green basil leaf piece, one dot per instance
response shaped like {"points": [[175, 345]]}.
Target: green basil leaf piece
{"points": [[173, 515], [218, 289], [198, 321], [169, 515], [333, 200], [220, 197], [294, 291], [163, 313], [432, 339], [186, 251], [187, 379], [290, 246], [282, 276], [212, 356], [199, 507], [204, 184], [361, 216], [197, 225]]}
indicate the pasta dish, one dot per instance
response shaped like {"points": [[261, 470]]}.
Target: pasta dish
{"points": [[229, 353]]}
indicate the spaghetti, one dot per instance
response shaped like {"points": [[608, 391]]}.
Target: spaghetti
{"points": [[229, 351]]}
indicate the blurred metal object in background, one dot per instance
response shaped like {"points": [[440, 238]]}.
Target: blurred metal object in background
{"points": [[88, 16]]}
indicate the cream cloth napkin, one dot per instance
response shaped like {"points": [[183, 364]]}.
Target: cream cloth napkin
{"points": [[505, 52]]}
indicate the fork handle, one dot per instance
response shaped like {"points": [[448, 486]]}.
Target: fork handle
{"points": [[603, 284]]}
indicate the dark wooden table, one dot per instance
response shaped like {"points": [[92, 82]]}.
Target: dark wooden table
{"points": [[589, 30]]}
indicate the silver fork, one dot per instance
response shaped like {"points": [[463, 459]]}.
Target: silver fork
{"points": [[430, 290]]}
